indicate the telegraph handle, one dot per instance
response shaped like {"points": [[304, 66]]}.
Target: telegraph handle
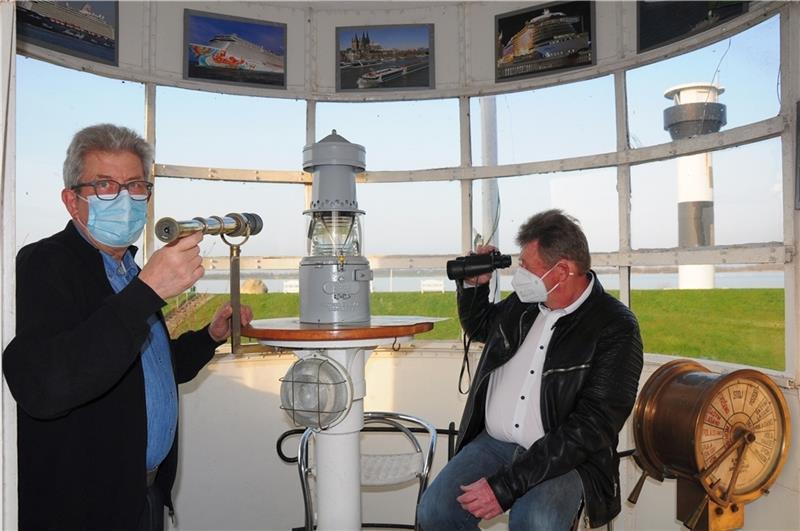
{"points": [[637, 490]]}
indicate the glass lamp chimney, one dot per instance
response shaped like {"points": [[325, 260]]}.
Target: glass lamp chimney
{"points": [[334, 233]]}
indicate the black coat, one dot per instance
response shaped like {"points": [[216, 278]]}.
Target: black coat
{"points": [[589, 383], [75, 371]]}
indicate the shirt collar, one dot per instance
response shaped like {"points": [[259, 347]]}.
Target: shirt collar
{"points": [[132, 249], [124, 267], [572, 307], [111, 265]]}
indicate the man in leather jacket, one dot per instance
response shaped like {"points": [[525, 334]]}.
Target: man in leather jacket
{"points": [[556, 381]]}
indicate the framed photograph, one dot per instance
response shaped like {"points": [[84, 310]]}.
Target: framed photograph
{"points": [[543, 39], [234, 50], [393, 57], [660, 23], [82, 29]]}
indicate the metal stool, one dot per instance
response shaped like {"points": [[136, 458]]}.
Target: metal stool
{"points": [[380, 469]]}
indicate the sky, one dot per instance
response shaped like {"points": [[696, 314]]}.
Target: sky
{"points": [[211, 129], [388, 37]]}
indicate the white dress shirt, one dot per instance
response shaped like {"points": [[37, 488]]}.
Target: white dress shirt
{"points": [[513, 411]]}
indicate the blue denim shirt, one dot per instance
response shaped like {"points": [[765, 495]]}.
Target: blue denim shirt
{"points": [[159, 381]]}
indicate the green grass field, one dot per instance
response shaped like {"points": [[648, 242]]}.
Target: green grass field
{"points": [[734, 325]]}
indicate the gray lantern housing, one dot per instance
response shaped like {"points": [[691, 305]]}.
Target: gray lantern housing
{"points": [[334, 277]]}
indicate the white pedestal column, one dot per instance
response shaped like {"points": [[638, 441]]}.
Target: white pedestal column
{"points": [[337, 452], [490, 191]]}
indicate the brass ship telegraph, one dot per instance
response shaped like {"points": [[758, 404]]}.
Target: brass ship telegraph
{"points": [[724, 438]]}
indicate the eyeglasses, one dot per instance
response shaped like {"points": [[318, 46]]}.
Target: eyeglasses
{"points": [[108, 190]]}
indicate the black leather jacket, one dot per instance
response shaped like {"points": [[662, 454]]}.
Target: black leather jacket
{"points": [[591, 375]]}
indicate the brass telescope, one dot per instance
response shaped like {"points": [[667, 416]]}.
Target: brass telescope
{"points": [[234, 224]]}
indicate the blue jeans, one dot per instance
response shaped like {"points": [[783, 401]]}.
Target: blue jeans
{"points": [[550, 506]]}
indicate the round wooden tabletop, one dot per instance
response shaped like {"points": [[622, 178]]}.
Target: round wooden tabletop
{"points": [[291, 329]]}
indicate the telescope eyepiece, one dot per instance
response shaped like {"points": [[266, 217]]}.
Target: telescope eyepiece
{"points": [[167, 229], [476, 264]]}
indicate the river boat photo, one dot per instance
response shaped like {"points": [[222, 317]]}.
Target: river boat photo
{"points": [[384, 57], [383, 76]]}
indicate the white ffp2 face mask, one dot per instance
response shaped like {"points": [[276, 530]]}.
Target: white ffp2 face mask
{"points": [[530, 287]]}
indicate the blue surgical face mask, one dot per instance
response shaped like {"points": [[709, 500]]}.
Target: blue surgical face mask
{"points": [[116, 223]]}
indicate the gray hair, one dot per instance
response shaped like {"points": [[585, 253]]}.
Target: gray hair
{"points": [[104, 137], [559, 236]]}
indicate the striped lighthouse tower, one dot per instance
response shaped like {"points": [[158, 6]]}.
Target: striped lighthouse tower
{"points": [[696, 112]]}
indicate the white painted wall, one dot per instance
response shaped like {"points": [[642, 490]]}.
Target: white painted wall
{"points": [[8, 227], [231, 476]]}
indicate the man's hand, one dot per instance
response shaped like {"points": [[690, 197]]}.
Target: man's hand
{"points": [[175, 267], [486, 277], [220, 327], [479, 500]]}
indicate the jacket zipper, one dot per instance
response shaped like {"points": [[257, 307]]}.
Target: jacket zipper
{"points": [[505, 339], [611, 452], [586, 522], [567, 369], [521, 320]]}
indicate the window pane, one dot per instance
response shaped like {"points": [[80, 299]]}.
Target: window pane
{"points": [[279, 205], [552, 123], [226, 131], [708, 323], [746, 197], [405, 135], [590, 196], [53, 103], [746, 65], [411, 218], [654, 210], [748, 193]]}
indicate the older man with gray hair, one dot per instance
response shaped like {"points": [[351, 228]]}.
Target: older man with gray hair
{"points": [[92, 367]]}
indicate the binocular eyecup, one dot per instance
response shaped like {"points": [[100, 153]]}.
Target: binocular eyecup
{"points": [[476, 264]]}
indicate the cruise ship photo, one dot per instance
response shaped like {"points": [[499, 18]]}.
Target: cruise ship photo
{"points": [[400, 264], [229, 55], [231, 51], [547, 41], [79, 28]]}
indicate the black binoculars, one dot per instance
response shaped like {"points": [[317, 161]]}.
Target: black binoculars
{"points": [[476, 264]]}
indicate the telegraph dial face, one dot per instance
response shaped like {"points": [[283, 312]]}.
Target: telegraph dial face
{"points": [[745, 408]]}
